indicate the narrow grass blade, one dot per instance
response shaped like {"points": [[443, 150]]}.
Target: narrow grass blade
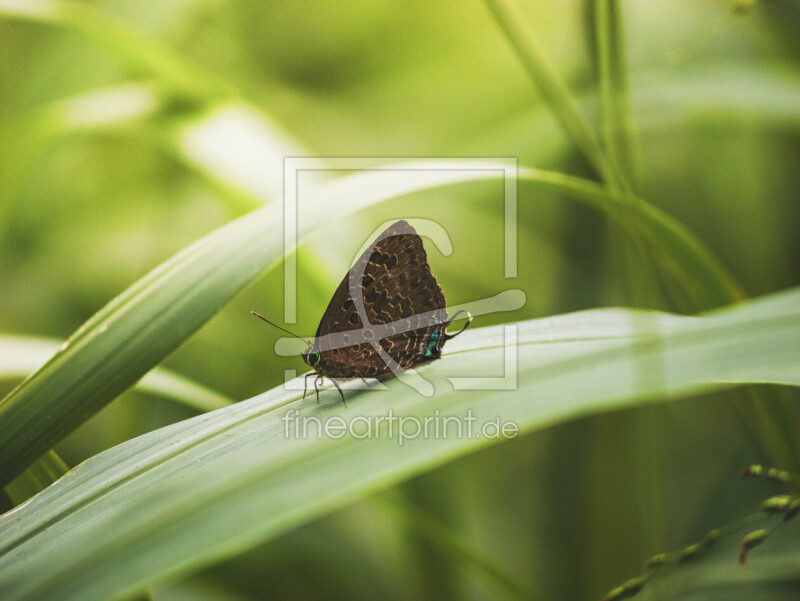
{"points": [[555, 92]]}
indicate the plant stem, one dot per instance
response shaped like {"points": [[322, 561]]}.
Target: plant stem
{"points": [[554, 91]]}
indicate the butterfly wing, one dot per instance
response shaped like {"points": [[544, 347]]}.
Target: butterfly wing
{"points": [[397, 288]]}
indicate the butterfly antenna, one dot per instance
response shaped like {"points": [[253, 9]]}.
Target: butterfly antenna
{"points": [[308, 342]]}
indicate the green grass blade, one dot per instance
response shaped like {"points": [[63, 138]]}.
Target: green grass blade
{"points": [[132, 335], [138, 329], [617, 130], [555, 93], [198, 491], [23, 355]]}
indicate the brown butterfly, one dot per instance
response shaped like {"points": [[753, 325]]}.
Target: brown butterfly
{"points": [[387, 315]]}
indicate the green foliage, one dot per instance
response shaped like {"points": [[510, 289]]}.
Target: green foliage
{"points": [[143, 161], [246, 470]]}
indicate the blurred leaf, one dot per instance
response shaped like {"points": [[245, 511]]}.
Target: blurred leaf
{"points": [[46, 470], [677, 250], [23, 355], [238, 148], [617, 122], [135, 50], [729, 98], [483, 568], [772, 576], [228, 141], [555, 92], [145, 509], [199, 589]]}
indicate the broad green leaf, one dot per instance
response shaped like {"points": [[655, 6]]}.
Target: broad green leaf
{"points": [[209, 487], [143, 325]]}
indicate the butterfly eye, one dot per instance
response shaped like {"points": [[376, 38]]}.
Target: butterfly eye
{"points": [[313, 358]]}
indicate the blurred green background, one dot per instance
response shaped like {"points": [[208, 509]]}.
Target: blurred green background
{"points": [[128, 130]]}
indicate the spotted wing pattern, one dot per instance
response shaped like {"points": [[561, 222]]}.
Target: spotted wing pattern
{"points": [[404, 306]]}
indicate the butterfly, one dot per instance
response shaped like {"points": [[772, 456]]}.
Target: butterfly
{"points": [[387, 315]]}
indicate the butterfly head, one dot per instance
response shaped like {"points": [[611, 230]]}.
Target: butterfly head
{"points": [[311, 357]]}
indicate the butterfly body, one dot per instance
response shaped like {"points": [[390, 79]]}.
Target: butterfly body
{"points": [[387, 315]]}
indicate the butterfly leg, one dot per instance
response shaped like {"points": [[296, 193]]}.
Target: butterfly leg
{"points": [[370, 386], [305, 382], [466, 325], [335, 383], [317, 380]]}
